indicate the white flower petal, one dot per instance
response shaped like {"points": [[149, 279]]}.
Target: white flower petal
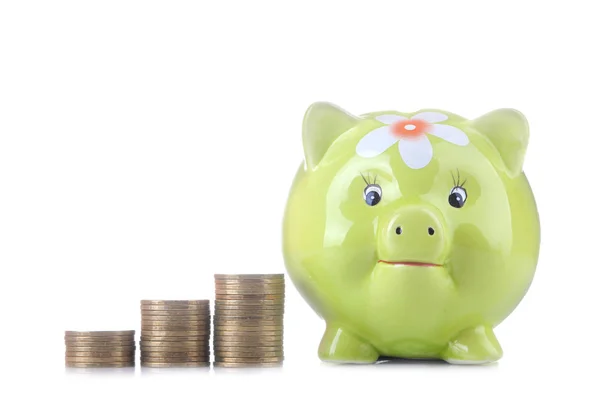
{"points": [[417, 152], [390, 119], [431, 116], [450, 133], [376, 142]]}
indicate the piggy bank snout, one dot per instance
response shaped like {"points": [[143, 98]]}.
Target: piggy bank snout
{"points": [[414, 233]]}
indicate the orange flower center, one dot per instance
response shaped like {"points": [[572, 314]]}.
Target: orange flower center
{"points": [[410, 128]]}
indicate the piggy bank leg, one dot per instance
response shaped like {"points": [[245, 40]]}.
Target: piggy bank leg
{"points": [[340, 346], [473, 346]]}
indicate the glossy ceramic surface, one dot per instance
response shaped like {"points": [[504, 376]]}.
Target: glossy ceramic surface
{"points": [[412, 234]]}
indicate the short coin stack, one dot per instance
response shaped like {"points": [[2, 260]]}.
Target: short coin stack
{"points": [[175, 333], [86, 349], [248, 322]]}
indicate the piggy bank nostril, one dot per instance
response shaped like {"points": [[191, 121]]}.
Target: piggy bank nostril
{"points": [[398, 231], [431, 231]]}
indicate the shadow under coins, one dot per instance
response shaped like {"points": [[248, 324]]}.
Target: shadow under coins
{"points": [[248, 370], [106, 371], [391, 362], [195, 371]]}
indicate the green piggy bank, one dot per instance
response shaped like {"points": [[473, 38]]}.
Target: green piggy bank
{"points": [[411, 235]]}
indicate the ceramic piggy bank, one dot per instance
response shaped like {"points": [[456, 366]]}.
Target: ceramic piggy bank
{"points": [[411, 234]]}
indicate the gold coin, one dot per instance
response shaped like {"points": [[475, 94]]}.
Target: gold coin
{"points": [[174, 318], [248, 334], [243, 329], [250, 292], [246, 292], [98, 359], [249, 276], [98, 338], [173, 313], [248, 318], [176, 302], [100, 349], [153, 330], [240, 342], [248, 330], [245, 347], [180, 341], [172, 340], [151, 339], [237, 280], [184, 343], [152, 333], [245, 316], [241, 359], [248, 354], [246, 365], [98, 333], [203, 358], [257, 303], [267, 296], [230, 315], [129, 353], [173, 327], [111, 345], [123, 364], [171, 353], [184, 346], [175, 351], [174, 307], [147, 321], [177, 327], [249, 286], [174, 364], [75, 343], [249, 311], [244, 323]]}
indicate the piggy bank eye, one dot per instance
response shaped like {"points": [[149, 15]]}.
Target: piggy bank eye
{"points": [[458, 197], [372, 194]]}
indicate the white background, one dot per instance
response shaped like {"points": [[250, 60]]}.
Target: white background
{"points": [[145, 146]]}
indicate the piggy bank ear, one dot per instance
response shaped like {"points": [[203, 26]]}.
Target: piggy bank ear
{"points": [[323, 123], [508, 131]]}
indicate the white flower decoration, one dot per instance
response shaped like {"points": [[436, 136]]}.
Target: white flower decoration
{"points": [[410, 133]]}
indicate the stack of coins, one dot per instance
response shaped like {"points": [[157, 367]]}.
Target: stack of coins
{"points": [[100, 349], [248, 323], [175, 333]]}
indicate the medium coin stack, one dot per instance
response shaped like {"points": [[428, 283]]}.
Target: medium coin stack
{"points": [[100, 349], [175, 333], [248, 322]]}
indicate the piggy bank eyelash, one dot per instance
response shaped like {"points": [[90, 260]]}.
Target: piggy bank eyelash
{"points": [[368, 179], [456, 180]]}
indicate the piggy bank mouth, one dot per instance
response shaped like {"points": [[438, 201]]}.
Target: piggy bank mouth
{"points": [[410, 263]]}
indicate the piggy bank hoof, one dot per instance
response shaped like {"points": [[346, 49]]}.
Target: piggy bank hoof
{"points": [[341, 347], [474, 346]]}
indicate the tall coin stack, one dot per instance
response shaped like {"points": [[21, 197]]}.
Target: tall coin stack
{"points": [[100, 349], [175, 333], [248, 322]]}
